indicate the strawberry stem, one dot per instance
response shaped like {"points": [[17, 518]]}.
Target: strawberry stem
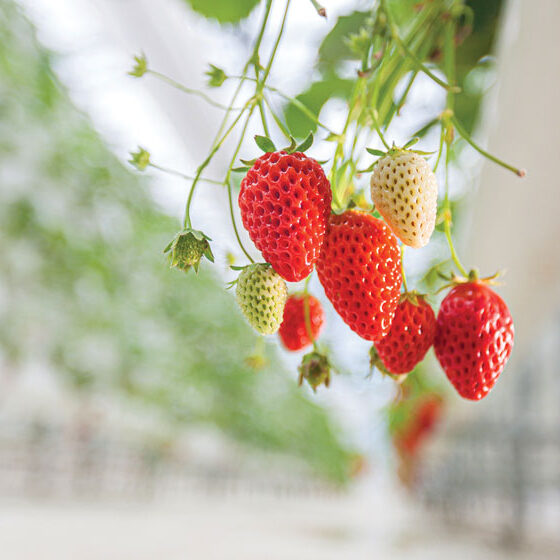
{"points": [[402, 270], [307, 312], [466, 136]]}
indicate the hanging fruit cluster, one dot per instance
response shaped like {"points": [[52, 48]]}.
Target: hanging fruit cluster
{"points": [[303, 217]]}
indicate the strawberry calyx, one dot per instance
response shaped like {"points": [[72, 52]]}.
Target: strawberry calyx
{"points": [[315, 368], [187, 248], [413, 297], [473, 277]]}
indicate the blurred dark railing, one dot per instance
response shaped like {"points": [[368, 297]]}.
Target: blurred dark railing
{"points": [[38, 462], [500, 473]]}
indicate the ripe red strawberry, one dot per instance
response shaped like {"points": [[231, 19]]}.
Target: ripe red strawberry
{"points": [[411, 335], [285, 202], [359, 269], [474, 338], [293, 330]]}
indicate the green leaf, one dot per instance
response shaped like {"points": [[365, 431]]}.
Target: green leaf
{"points": [[411, 142], [306, 144], [314, 98], [225, 11], [249, 162], [243, 169], [334, 48], [264, 143], [374, 152]]}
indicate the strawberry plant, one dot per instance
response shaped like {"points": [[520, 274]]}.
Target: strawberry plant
{"points": [[303, 214]]}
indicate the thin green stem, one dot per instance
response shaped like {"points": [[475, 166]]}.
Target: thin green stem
{"points": [[188, 90], [447, 218], [466, 136], [183, 175], [233, 223], [227, 182], [277, 119], [402, 270], [295, 102], [307, 312], [254, 60], [263, 118], [373, 115], [277, 42], [204, 164], [440, 150]]}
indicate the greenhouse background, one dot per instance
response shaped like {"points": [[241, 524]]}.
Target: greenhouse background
{"points": [[140, 417]]}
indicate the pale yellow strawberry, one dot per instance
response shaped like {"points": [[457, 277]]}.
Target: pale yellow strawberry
{"points": [[404, 191]]}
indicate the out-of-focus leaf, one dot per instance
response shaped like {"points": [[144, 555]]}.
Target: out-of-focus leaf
{"points": [[314, 98], [334, 48], [225, 11]]}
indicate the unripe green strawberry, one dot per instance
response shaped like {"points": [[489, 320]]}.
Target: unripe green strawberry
{"points": [[261, 294], [315, 369], [187, 249], [404, 191]]}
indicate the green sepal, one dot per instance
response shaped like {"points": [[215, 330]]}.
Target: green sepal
{"points": [[243, 169], [264, 143], [187, 248], [140, 159], [315, 368], [306, 144], [249, 162], [216, 76], [411, 142], [140, 67], [375, 152], [292, 147]]}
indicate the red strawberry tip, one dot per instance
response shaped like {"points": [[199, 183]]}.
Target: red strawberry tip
{"points": [[375, 362]]}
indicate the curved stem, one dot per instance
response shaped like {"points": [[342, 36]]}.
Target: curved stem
{"points": [[227, 181], [466, 136], [253, 59], [447, 218], [233, 223], [187, 221], [373, 115], [277, 119], [307, 312], [188, 90], [295, 102], [402, 270], [183, 175], [277, 42], [263, 118]]}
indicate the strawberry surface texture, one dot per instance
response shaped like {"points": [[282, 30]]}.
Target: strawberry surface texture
{"points": [[359, 269], [411, 335], [293, 330], [474, 338], [404, 191], [285, 202]]}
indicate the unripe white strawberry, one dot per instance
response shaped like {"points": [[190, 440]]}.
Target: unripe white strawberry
{"points": [[404, 191], [261, 294]]}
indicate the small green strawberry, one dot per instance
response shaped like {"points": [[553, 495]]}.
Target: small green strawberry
{"points": [[261, 294], [315, 369], [187, 249], [404, 190]]}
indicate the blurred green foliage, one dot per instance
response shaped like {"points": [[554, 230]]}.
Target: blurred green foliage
{"points": [[86, 290], [225, 11]]}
